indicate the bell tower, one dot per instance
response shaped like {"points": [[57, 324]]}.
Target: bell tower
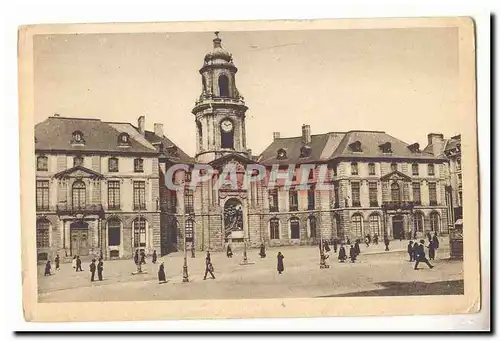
{"points": [[220, 110]]}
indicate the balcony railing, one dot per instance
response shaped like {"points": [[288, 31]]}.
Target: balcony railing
{"points": [[273, 208], [433, 203], [356, 204], [79, 209], [395, 205], [373, 203], [310, 207], [294, 207]]}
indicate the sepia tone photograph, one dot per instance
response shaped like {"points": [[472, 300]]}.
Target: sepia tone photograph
{"points": [[326, 161]]}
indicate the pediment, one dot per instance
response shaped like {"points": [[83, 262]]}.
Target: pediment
{"points": [[232, 160], [395, 175], [78, 172]]}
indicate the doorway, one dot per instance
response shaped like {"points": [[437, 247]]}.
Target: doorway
{"points": [[397, 227], [79, 232]]}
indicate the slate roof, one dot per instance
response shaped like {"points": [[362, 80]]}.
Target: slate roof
{"points": [[329, 146], [181, 157]]}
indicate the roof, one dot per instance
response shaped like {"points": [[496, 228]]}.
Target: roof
{"points": [[329, 146], [170, 150]]}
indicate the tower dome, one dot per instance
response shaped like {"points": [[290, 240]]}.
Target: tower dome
{"points": [[218, 55]]}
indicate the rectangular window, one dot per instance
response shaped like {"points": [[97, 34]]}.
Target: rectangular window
{"points": [[113, 233], [42, 195], [394, 167], [188, 201], [113, 165], [414, 169], [293, 200], [294, 229], [273, 200], [432, 194], [311, 199], [373, 194], [42, 163], [140, 233], [371, 169], [355, 194], [354, 168], [114, 195], [77, 161], [459, 164], [430, 169], [139, 195], [274, 229], [417, 198], [336, 195], [138, 165]]}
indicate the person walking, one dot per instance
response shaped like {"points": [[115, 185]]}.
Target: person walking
{"points": [[154, 257], [410, 250], [386, 242], [375, 239], [100, 268], [262, 252], [342, 254], [78, 264], [209, 268], [229, 252], [48, 267], [335, 246], [421, 256], [435, 239], [352, 254], [92, 268], [281, 266], [348, 241], [432, 250], [57, 260], [356, 247], [367, 241], [136, 257], [73, 262], [326, 247], [143, 257], [161, 274], [415, 250]]}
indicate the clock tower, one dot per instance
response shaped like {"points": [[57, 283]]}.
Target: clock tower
{"points": [[220, 110]]}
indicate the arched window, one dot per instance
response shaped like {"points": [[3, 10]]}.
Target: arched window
{"points": [[42, 233], [79, 194], [77, 138], [434, 217], [114, 226], [357, 225], [418, 222], [200, 134], [274, 228], [395, 194], [312, 227], [140, 232], [281, 154], [223, 86], [374, 221], [189, 230], [42, 163], [123, 139], [294, 228]]}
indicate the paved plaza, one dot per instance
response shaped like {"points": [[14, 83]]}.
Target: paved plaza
{"points": [[376, 273]]}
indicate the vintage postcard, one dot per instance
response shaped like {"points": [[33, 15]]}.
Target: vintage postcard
{"points": [[249, 169]]}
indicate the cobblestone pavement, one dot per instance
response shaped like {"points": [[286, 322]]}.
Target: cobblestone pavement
{"points": [[376, 273]]}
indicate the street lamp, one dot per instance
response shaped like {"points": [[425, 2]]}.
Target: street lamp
{"points": [[322, 262], [139, 217], [185, 275]]}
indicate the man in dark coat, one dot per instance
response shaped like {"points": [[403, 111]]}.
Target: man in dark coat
{"points": [[335, 245], [281, 266], [209, 268], [352, 254], [435, 239], [136, 257], [421, 256], [348, 241], [432, 250], [100, 267], [78, 264], [143, 257], [342, 254], [356, 247], [415, 250], [57, 260], [229, 252], [375, 239], [386, 242], [262, 252], [161, 274], [47, 268], [92, 270], [410, 250], [154, 257]]}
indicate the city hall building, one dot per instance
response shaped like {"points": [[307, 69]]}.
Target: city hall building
{"points": [[101, 186]]}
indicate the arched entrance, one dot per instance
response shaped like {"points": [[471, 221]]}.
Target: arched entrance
{"points": [[397, 227], [233, 217], [79, 231]]}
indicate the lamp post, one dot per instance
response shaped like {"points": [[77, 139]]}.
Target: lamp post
{"points": [[185, 275], [139, 217], [322, 262]]}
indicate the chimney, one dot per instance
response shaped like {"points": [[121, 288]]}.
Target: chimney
{"points": [[276, 135], [306, 133], [141, 125], [159, 129], [437, 142]]}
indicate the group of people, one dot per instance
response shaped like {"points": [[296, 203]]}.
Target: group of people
{"points": [[416, 251]]}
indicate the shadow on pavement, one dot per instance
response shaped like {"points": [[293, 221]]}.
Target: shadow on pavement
{"points": [[455, 287]]}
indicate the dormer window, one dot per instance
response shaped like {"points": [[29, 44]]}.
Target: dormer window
{"points": [[356, 147], [305, 151], [172, 151], [77, 161], [281, 154], [414, 148], [77, 138], [386, 148], [124, 140], [138, 165]]}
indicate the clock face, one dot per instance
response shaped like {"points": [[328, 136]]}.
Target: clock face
{"points": [[227, 125]]}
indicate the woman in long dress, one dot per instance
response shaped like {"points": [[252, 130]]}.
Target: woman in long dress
{"points": [[281, 266], [161, 273], [262, 252], [342, 254]]}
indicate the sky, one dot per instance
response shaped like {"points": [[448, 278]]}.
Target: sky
{"points": [[401, 81]]}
